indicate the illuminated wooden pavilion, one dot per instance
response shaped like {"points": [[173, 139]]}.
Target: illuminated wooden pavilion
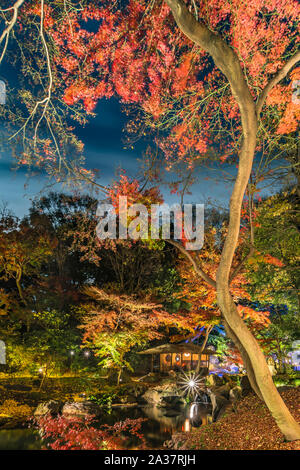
{"points": [[179, 356]]}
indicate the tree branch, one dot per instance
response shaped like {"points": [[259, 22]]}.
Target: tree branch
{"points": [[282, 73], [241, 264], [10, 24], [223, 55], [197, 268]]}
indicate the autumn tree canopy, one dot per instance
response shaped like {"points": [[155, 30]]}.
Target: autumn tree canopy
{"points": [[130, 50]]}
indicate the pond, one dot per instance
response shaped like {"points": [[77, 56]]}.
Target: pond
{"points": [[159, 426]]}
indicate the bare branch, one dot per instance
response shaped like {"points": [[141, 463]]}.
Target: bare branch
{"points": [[45, 101], [10, 24], [48, 97]]}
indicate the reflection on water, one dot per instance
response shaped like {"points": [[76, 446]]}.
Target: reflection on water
{"points": [[159, 426], [168, 421], [19, 439]]}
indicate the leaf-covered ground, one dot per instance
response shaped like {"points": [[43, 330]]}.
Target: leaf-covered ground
{"points": [[251, 427]]}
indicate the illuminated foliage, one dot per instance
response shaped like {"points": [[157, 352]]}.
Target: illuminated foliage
{"points": [[79, 434], [134, 52], [119, 322]]}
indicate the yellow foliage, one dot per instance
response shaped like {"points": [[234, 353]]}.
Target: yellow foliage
{"points": [[12, 408]]}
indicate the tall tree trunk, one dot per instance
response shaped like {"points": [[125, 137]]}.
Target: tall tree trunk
{"points": [[227, 61], [263, 379], [246, 360]]}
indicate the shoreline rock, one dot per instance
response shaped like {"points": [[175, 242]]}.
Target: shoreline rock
{"points": [[52, 407], [80, 409]]}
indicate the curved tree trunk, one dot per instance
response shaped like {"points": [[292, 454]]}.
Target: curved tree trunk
{"points": [[246, 360], [288, 425]]}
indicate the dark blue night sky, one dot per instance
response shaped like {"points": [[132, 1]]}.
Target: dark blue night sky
{"points": [[104, 150]]}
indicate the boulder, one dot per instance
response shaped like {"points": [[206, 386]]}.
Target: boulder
{"points": [[172, 374], [220, 404], [171, 401], [81, 409], [137, 389], [213, 380], [235, 393], [128, 399], [52, 407], [152, 396], [168, 386]]}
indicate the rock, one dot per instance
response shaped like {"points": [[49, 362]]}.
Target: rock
{"points": [[166, 394], [245, 385], [235, 393], [202, 396], [177, 442], [170, 401], [52, 407], [152, 396], [136, 389], [227, 407], [213, 380], [168, 386], [172, 373], [220, 404], [222, 391], [128, 399], [81, 409]]}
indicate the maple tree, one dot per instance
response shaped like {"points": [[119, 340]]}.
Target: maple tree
{"points": [[277, 339], [222, 83], [118, 322], [273, 269], [76, 433], [22, 253]]}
